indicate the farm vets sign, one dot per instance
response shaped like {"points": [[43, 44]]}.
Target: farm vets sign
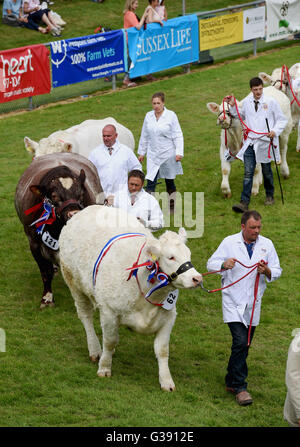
{"points": [[86, 58], [161, 47], [283, 18], [232, 28], [24, 72]]}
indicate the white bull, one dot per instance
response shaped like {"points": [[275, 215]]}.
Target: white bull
{"points": [[275, 79], [121, 302], [80, 139], [234, 139]]}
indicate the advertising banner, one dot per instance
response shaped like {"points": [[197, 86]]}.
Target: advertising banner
{"points": [[283, 18], [89, 57], [254, 23], [161, 47], [220, 31], [24, 72]]}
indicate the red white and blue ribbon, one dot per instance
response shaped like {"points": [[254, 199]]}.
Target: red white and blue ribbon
{"points": [[47, 217], [163, 281], [106, 248]]}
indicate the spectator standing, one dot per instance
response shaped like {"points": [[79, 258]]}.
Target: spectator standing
{"points": [[292, 379], [152, 15], [113, 161], [161, 10], [162, 141], [238, 300], [255, 109], [132, 20], [135, 200]]}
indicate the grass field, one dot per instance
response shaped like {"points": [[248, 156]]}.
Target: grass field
{"points": [[46, 378]]}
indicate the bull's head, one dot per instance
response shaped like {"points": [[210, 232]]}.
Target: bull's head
{"points": [[63, 189], [277, 79], [174, 259]]}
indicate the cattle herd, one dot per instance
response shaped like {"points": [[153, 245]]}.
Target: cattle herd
{"points": [[59, 201]]}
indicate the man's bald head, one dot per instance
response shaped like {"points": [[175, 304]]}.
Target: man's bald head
{"points": [[109, 135]]}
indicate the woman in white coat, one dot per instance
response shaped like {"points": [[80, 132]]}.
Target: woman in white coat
{"points": [[162, 141]]}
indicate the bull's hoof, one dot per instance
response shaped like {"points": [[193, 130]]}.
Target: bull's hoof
{"points": [[104, 372], [47, 301], [168, 388], [298, 149], [254, 193], [227, 195], [94, 358]]}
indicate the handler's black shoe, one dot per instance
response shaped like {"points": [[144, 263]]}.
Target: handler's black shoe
{"points": [[269, 201], [240, 207]]}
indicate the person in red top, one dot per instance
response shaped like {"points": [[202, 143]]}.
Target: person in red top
{"points": [[132, 20]]}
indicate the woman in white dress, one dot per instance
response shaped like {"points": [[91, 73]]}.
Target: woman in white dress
{"points": [[162, 141]]}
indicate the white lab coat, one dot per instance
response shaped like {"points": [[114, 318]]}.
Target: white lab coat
{"points": [[237, 301], [161, 140], [113, 169], [146, 207], [267, 108], [292, 379]]}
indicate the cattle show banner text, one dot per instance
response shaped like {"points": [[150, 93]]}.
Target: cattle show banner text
{"points": [[158, 48], [24, 72], [283, 18], [220, 31], [254, 23], [89, 57]]}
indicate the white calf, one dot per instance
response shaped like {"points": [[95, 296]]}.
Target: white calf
{"points": [[231, 127], [80, 139], [94, 266], [275, 80]]}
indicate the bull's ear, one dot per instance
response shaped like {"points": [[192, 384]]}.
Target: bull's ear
{"points": [[154, 249], [182, 234], [213, 107], [38, 190], [82, 176], [30, 145], [267, 79]]}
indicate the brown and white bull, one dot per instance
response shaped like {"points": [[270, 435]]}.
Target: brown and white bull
{"points": [[48, 193], [96, 247], [79, 139], [279, 80], [233, 128]]}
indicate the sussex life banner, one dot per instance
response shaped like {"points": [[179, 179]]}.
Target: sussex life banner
{"points": [[283, 18], [24, 72], [159, 47], [89, 57]]}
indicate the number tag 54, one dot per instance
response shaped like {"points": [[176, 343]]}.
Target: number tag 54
{"points": [[170, 300]]}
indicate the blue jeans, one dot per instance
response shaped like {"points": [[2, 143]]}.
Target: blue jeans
{"points": [[170, 185], [249, 168], [237, 369]]}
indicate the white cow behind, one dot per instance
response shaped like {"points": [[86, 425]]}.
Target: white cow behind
{"points": [[233, 129], [80, 139], [234, 139], [121, 301], [275, 80]]}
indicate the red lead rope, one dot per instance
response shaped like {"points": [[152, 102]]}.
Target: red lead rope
{"points": [[285, 69], [252, 267], [246, 129]]}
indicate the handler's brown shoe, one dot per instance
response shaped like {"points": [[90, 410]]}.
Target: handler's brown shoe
{"points": [[240, 207], [244, 398], [269, 201]]}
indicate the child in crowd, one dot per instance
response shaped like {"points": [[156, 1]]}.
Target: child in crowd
{"points": [[161, 10]]}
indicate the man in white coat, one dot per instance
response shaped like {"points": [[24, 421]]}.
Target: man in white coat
{"points": [[249, 248], [255, 110], [292, 379], [135, 200], [113, 161]]}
